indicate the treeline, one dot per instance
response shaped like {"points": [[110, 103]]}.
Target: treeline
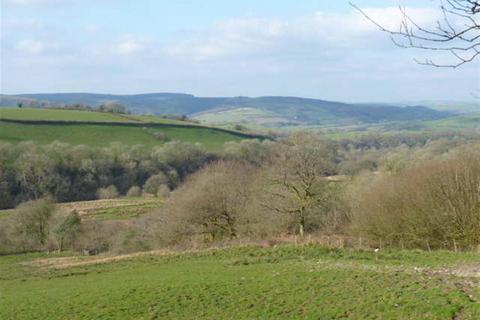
{"points": [[420, 196], [430, 202], [66, 173]]}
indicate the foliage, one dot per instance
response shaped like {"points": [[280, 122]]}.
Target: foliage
{"points": [[434, 205], [134, 191], [73, 173], [67, 230], [153, 184], [109, 192], [113, 107], [29, 226], [296, 183], [213, 204]]}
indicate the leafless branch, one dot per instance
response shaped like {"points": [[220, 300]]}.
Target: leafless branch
{"points": [[457, 32]]}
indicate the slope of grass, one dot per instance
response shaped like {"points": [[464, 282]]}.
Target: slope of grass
{"points": [[248, 116], [288, 282], [460, 122], [59, 115], [155, 119], [112, 209], [104, 135]]}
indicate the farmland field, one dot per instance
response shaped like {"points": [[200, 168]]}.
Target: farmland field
{"points": [[144, 131], [108, 209], [58, 115], [460, 122], [112, 209], [285, 282]]}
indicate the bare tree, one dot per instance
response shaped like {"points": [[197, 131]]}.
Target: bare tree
{"points": [[296, 184], [212, 203], [457, 32]]}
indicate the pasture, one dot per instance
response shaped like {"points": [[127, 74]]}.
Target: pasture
{"points": [[284, 282], [58, 115], [81, 128]]}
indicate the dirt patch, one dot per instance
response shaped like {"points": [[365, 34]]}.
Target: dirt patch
{"points": [[471, 270], [84, 207], [78, 261]]}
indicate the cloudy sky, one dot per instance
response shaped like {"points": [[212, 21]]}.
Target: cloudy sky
{"points": [[311, 48]]}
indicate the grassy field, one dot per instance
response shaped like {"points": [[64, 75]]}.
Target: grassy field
{"points": [[104, 135], [59, 115], [109, 209], [460, 122], [286, 282], [249, 116], [112, 209]]}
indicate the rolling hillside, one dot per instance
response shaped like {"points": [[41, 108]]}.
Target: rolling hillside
{"points": [[101, 129], [274, 111], [283, 282]]}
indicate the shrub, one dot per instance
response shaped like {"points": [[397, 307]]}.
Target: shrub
{"points": [[160, 136], [134, 191], [163, 191], [66, 230], [212, 204], [153, 183], [109, 192], [30, 225], [436, 205]]}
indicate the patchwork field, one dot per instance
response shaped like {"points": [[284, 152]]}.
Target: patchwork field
{"points": [[286, 282], [113, 209], [82, 129], [461, 122], [110, 209], [58, 115]]}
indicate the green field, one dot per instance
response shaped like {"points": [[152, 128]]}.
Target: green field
{"points": [[286, 282], [110, 209], [248, 116], [460, 122], [59, 115], [102, 135]]}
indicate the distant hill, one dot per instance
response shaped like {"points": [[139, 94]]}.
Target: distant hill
{"points": [[453, 106], [266, 111]]}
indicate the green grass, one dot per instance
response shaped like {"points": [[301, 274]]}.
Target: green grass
{"points": [[244, 283], [58, 115], [249, 116], [104, 135], [126, 208], [155, 119], [460, 122], [113, 209]]}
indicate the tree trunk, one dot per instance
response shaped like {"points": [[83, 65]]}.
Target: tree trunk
{"points": [[301, 228]]}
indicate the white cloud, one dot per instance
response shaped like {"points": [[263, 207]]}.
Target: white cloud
{"points": [[304, 35], [33, 47], [327, 55], [130, 46]]}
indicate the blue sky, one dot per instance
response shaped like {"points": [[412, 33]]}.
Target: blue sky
{"points": [[311, 48]]}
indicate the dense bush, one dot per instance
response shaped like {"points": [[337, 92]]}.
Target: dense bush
{"points": [[134, 191], [29, 227], [212, 204], [434, 205], [109, 192], [154, 183]]}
